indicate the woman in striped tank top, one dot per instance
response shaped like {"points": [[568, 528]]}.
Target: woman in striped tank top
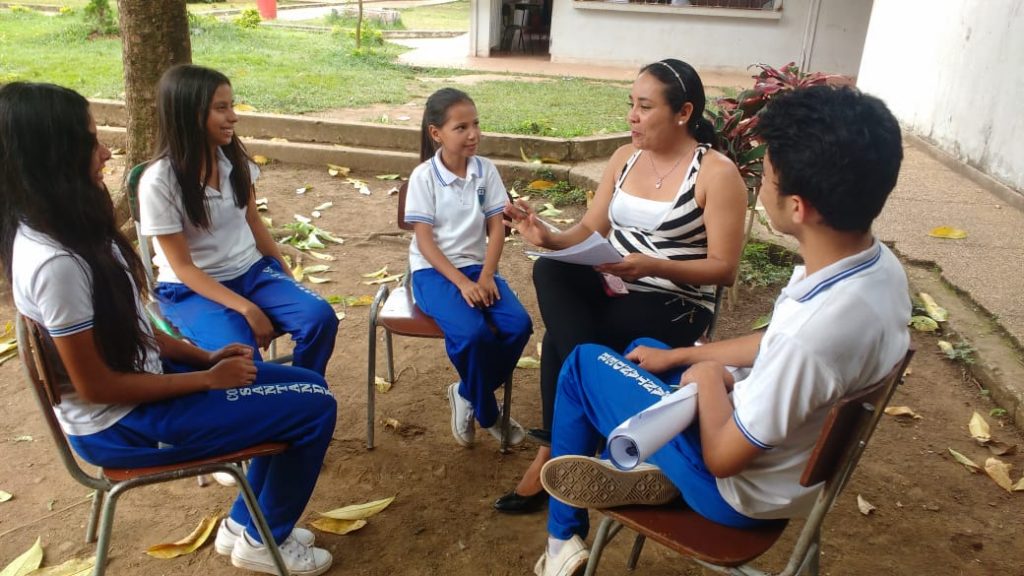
{"points": [[673, 207]]}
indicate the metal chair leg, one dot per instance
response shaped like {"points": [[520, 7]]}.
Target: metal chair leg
{"points": [[605, 532], [106, 526], [94, 515], [371, 362], [257, 517], [388, 351], [634, 555], [506, 416]]}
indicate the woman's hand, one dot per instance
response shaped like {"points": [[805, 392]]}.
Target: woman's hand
{"points": [[633, 266], [654, 360], [262, 329], [229, 351], [232, 372], [525, 221]]}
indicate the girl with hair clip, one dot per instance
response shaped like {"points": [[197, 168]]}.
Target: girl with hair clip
{"points": [[221, 275], [126, 389], [673, 207], [455, 202]]}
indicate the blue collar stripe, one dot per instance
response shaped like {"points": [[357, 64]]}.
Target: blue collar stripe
{"points": [[750, 437], [437, 172], [828, 282]]}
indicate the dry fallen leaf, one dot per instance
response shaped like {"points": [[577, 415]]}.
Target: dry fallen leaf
{"points": [[298, 273], [382, 384], [947, 232], [934, 311], [1019, 486], [317, 268], [260, 160], [335, 526], [384, 280], [279, 140], [902, 411], [967, 462], [27, 562], [392, 191], [364, 300], [979, 428], [244, 108], [946, 348], [5, 496], [923, 324], [189, 543], [378, 274], [540, 185], [335, 170], [359, 511], [998, 448], [549, 210], [864, 506], [317, 280], [999, 471], [392, 423], [319, 256], [528, 362], [73, 567], [324, 206]]}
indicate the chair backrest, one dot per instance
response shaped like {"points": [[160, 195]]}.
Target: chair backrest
{"points": [[40, 368], [145, 252]]}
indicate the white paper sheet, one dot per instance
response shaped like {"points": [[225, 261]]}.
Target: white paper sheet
{"points": [[593, 251], [633, 441]]}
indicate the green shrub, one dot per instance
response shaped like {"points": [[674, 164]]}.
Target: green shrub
{"points": [[249, 18], [100, 17], [764, 264], [371, 35]]}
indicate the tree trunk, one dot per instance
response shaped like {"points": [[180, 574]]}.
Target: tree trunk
{"points": [[359, 27], [154, 37]]}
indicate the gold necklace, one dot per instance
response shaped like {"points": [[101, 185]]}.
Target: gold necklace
{"points": [[661, 177]]}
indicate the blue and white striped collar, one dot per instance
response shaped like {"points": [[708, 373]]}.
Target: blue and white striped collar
{"points": [[810, 286], [445, 177]]}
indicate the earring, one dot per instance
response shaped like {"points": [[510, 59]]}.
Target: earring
{"points": [[680, 122]]}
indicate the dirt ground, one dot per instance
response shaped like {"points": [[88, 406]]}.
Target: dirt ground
{"points": [[932, 517]]}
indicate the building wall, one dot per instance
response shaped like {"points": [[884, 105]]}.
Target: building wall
{"points": [[712, 39], [960, 84]]}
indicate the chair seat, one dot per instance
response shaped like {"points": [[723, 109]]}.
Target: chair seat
{"points": [[401, 315], [266, 449], [682, 530]]}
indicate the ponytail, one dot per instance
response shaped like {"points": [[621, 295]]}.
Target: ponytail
{"points": [[704, 132]]}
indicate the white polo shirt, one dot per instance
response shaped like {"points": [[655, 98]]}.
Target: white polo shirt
{"points": [[836, 331], [457, 208], [225, 250], [53, 287]]}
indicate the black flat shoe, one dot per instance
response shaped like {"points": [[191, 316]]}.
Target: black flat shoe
{"points": [[513, 503], [540, 436]]}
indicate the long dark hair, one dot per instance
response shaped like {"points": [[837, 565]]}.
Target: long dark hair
{"points": [[682, 84], [182, 106], [46, 152], [435, 113]]}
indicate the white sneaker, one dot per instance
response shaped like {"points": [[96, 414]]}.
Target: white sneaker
{"points": [[462, 417], [570, 560], [587, 482], [299, 559], [224, 479], [516, 434], [230, 530]]}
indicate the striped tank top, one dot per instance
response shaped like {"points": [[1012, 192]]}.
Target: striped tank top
{"points": [[679, 236]]}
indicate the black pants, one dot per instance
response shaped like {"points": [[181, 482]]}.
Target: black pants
{"points": [[577, 311]]}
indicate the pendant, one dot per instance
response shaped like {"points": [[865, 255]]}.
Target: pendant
{"points": [[658, 184]]}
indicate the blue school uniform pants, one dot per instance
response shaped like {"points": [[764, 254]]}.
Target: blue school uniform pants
{"points": [[291, 307], [598, 389], [284, 404], [483, 344]]}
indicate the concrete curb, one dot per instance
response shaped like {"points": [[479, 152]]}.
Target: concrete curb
{"points": [[385, 138]]}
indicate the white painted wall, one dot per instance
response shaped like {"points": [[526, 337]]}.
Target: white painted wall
{"points": [[484, 26], [952, 71], [633, 35]]}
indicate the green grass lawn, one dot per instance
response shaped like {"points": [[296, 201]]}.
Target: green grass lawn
{"points": [[293, 72], [453, 16]]}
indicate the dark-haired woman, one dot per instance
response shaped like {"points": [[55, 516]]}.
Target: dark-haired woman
{"points": [[221, 275], [673, 207], [125, 389]]}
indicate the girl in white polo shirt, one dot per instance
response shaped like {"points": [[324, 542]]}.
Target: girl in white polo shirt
{"points": [[221, 275], [455, 202]]}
